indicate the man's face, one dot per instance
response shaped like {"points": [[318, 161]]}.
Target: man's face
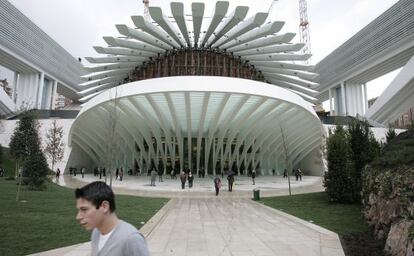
{"points": [[88, 216]]}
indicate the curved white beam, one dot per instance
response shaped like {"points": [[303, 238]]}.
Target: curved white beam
{"points": [[162, 20], [219, 13], [177, 10], [251, 23], [198, 13], [146, 38], [230, 22]]}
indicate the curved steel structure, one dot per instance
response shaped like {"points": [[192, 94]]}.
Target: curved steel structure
{"points": [[196, 122], [231, 45]]}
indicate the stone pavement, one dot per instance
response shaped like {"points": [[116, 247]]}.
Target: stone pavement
{"points": [[203, 187], [198, 223]]}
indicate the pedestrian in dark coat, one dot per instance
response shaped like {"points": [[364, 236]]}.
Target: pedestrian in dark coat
{"points": [[183, 179], [217, 185], [121, 174], [190, 180], [230, 180], [160, 173], [253, 176]]}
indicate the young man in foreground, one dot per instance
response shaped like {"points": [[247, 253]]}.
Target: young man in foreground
{"points": [[110, 236]]}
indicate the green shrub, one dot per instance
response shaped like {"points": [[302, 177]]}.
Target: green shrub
{"points": [[36, 170], [364, 148], [338, 180]]}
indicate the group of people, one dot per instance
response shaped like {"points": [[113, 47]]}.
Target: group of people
{"points": [[217, 183], [186, 175], [297, 172], [73, 171]]}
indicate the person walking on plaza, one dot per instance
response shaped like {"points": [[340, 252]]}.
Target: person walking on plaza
{"points": [[116, 173], [153, 176], [217, 185], [57, 174], [83, 172], [190, 179], [110, 235], [297, 174], [121, 174], [160, 173], [300, 174], [253, 176], [183, 178], [285, 173], [230, 180]]}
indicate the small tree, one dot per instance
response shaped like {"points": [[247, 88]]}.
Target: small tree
{"points": [[337, 181], [25, 147], [286, 157], [112, 126], [364, 148], [391, 134], [25, 139], [54, 144], [36, 170]]}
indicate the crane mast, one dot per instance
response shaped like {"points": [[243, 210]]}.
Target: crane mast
{"points": [[304, 28], [146, 10]]}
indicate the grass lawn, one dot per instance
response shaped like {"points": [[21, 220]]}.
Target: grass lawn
{"points": [[340, 218], [45, 220]]}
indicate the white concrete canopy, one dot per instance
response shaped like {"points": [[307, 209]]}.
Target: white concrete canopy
{"points": [[247, 39], [224, 121]]}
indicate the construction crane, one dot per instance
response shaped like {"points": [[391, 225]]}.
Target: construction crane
{"points": [[304, 28], [271, 6], [303, 25], [146, 10]]}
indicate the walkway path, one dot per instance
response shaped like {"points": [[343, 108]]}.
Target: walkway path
{"points": [[197, 223]]}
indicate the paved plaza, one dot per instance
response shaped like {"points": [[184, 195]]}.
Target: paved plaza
{"points": [[203, 187], [195, 222]]}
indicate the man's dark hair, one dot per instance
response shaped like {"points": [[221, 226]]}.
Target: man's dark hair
{"points": [[97, 192]]}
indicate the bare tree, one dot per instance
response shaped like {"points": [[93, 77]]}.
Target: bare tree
{"points": [[55, 146], [286, 158], [113, 117]]}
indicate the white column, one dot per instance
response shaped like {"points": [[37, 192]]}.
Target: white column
{"points": [[365, 98], [344, 110], [54, 95], [40, 86], [238, 162], [15, 86], [222, 157], [245, 165], [157, 158], [214, 156], [181, 154], [173, 152], [330, 102], [190, 149], [354, 99]]}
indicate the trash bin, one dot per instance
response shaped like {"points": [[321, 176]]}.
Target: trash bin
{"points": [[256, 194]]}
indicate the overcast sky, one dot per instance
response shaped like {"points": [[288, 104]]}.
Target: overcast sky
{"points": [[77, 25]]}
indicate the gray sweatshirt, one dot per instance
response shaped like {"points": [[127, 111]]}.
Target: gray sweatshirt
{"points": [[125, 240]]}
